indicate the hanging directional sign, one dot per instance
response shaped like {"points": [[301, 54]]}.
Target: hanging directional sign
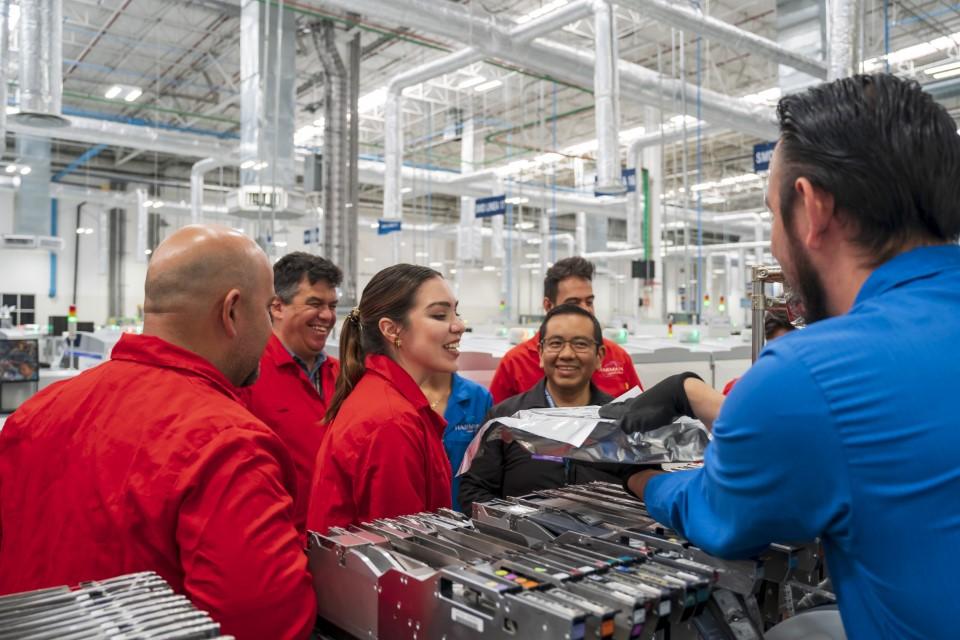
{"points": [[491, 206], [629, 178], [387, 226], [761, 156], [311, 235]]}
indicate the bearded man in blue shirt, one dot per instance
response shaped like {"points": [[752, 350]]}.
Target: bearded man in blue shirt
{"points": [[848, 430]]}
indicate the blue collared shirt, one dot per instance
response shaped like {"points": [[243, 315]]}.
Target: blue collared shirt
{"points": [[313, 375], [468, 405], [848, 430]]}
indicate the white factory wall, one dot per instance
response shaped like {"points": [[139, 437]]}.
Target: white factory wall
{"points": [[28, 271]]}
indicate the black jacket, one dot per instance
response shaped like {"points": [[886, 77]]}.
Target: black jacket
{"points": [[507, 469]]}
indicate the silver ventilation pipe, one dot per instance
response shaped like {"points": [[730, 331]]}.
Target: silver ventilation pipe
{"points": [[336, 102], [196, 186], [607, 98], [690, 20], [842, 30], [4, 64], [41, 61], [497, 42]]}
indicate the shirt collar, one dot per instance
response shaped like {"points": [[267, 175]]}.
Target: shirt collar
{"points": [[460, 390], [311, 373], [385, 367], [155, 351], [279, 349], [916, 264]]}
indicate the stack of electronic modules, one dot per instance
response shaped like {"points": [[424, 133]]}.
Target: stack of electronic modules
{"points": [[139, 605], [583, 561]]}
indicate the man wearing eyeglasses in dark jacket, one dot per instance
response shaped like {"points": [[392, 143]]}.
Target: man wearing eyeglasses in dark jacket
{"points": [[571, 349]]}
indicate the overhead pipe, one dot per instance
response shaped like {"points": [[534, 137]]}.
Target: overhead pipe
{"points": [[334, 140], [690, 20], [40, 85], [491, 38], [607, 98], [4, 64], [565, 63], [196, 186], [842, 38]]}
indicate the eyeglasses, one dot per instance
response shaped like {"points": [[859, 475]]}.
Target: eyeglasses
{"points": [[579, 345]]}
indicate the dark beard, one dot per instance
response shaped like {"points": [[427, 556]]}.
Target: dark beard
{"points": [[808, 284], [250, 379]]}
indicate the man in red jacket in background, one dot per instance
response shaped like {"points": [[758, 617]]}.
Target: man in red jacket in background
{"points": [[297, 378], [150, 462], [569, 281]]}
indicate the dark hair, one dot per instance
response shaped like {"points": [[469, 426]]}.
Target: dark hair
{"points": [[887, 153], [775, 320], [572, 310], [289, 271], [572, 267], [391, 293]]}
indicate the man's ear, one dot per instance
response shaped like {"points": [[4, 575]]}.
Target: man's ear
{"points": [[601, 354], [817, 209], [276, 309], [230, 312], [547, 304]]}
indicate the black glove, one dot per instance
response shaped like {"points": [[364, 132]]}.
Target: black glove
{"points": [[656, 407]]}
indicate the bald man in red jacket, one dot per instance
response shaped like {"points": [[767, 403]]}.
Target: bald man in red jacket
{"points": [[150, 462]]}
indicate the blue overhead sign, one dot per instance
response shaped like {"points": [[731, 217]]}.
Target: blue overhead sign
{"points": [[311, 235], [761, 156], [491, 206], [388, 226], [629, 178]]}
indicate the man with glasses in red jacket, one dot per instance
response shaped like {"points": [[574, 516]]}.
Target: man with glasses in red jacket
{"points": [[569, 281], [297, 378]]}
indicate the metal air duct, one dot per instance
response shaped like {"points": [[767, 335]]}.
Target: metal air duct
{"points": [[41, 60]]}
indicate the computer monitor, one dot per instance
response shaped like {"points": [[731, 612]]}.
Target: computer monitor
{"points": [[58, 325], [19, 361], [89, 327]]}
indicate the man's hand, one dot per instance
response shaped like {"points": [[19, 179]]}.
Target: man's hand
{"points": [[637, 483], [658, 406]]}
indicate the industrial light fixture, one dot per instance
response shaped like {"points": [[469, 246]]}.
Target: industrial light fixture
{"points": [[25, 171], [406, 190], [113, 92], [471, 82], [248, 164], [486, 86], [913, 52], [133, 94], [947, 74], [11, 168]]}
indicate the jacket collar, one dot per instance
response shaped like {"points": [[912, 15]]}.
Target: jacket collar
{"points": [[916, 264], [386, 368], [156, 352], [597, 397]]}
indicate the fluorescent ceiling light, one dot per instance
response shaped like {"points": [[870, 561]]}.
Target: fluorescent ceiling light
{"points": [[531, 256], [247, 164], [157, 204], [133, 94], [25, 171], [523, 226], [113, 92], [435, 265], [486, 86], [541, 11], [678, 121], [517, 200], [913, 52], [148, 203], [933, 71], [471, 82], [280, 244], [489, 267], [406, 190], [11, 168], [947, 74], [763, 97], [712, 199]]}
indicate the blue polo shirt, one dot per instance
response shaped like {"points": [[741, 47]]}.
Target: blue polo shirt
{"points": [[468, 405], [848, 430]]}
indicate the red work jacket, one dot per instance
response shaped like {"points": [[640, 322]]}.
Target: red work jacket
{"points": [[149, 461], [519, 370], [286, 400], [382, 455]]}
